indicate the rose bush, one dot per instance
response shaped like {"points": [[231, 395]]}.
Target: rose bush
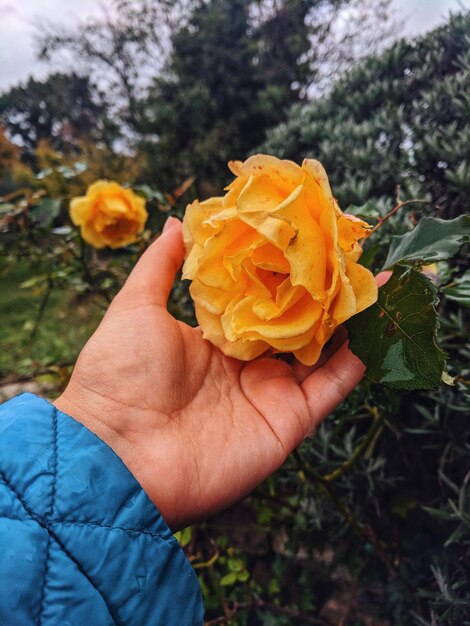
{"points": [[273, 263], [109, 215]]}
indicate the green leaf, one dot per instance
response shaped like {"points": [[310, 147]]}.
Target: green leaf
{"points": [[183, 537], [150, 193], [243, 576], [366, 212], [265, 514], [369, 255], [229, 579], [432, 240], [34, 281], [458, 533], [459, 290], [439, 513], [396, 337], [6, 207], [235, 565], [45, 212]]}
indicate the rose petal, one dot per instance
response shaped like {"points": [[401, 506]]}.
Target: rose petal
{"points": [[79, 210], [196, 229], [244, 349], [297, 320], [364, 285], [273, 262], [213, 299], [255, 207], [284, 174], [309, 354]]}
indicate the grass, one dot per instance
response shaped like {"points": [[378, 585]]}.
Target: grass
{"points": [[63, 330]]}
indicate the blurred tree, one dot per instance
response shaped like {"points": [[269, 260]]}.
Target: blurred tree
{"points": [[234, 70], [123, 49], [61, 109], [347, 33], [9, 152], [9, 158], [212, 103], [201, 77], [402, 115]]}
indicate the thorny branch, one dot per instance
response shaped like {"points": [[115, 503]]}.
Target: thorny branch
{"points": [[395, 209]]}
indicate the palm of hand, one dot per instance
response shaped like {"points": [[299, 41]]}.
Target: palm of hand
{"points": [[198, 430]]}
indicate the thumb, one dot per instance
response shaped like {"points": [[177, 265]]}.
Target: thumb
{"points": [[152, 278], [329, 385]]}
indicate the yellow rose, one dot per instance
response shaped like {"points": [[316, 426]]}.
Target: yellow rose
{"points": [[109, 215], [273, 262]]}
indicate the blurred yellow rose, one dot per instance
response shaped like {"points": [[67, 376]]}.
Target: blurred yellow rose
{"points": [[109, 215], [273, 262]]}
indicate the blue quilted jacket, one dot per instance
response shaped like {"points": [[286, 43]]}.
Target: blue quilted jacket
{"points": [[80, 542]]}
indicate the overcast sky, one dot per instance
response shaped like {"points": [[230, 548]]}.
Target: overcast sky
{"points": [[19, 21]]}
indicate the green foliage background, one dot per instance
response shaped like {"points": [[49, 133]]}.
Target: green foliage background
{"points": [[401, 118], [368, 523]]}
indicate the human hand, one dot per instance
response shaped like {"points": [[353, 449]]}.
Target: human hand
{"points": [[198, 430]]}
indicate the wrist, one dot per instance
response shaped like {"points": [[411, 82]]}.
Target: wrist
{"points": [[98, 414]]}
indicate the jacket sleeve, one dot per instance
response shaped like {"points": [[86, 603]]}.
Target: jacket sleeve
{"points": [[80, 542]]}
